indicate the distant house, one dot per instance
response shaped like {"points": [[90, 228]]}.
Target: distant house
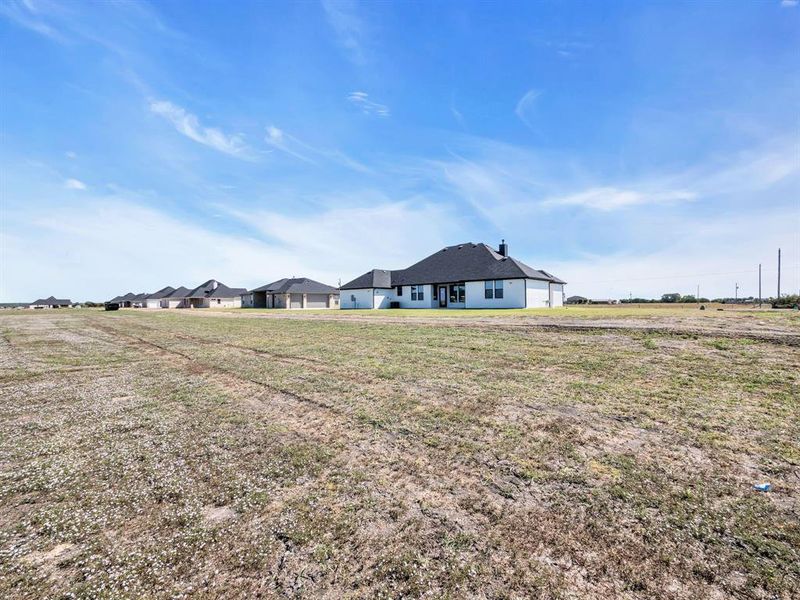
{"points": [[603, 301], [463, 276], [577, 300], [139, 300], [212, 293], [124, 301], [297, 292], [50, 302], [154, 299], [175, 298]]}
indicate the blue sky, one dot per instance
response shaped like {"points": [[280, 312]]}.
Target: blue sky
{"points": [[628, 147]]}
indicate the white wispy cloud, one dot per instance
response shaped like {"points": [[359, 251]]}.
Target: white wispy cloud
{"points": [[189, 125], [277, 138], [367, 106], [123, 28], [28, 14], [327, 245], [349, 27], [526, 105], [291, 145], [334, 238], [714, 252], [503, 182], [611, 198], [74, 184], [789, 3]]}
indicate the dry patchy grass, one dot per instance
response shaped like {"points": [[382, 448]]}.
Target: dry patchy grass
{"points": [[164, 455]]}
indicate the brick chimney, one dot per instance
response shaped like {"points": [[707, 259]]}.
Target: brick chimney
{"points": [[503, 248]]}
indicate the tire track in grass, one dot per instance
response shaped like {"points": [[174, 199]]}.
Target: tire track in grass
{"points": [[400, 441]]}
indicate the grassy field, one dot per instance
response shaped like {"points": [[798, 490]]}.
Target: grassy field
{"points": [[555, 454]]}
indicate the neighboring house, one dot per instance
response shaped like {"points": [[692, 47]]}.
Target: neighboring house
{"points": [[212, 293], [50, 302], [175, 298], [139, 300], [297, 292], [125, 300], [154, 299], [463, 276], [577, 300], [603, 301]]}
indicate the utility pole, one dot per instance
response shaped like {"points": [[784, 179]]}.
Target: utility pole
{"points": [[736, 296], [779, 273], [759, 285], [698, 293]]}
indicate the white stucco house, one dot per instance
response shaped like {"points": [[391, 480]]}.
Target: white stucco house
{"points": [[462, 276], [213, 294], [51, 302], [154, 299], [292, 293], [139, 300], [175, 298]]}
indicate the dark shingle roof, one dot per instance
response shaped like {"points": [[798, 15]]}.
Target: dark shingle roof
{"points": [[139, 297], [207, 290], [162, 293], [180, 292], [52, 301], [377, 278], [463, 262], [297, 285], [223, 291]]}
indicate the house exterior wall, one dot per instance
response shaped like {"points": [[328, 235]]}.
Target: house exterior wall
{"points": [[360, 298], [406, 301], [556, 295], [317, 301], [171, 302], [195, 303], [384, 297], [513, 295], [538, 293], [153, 303], [235, 302], [248, 301], [517, 293]]}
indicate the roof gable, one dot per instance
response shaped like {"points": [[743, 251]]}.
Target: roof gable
{"points": [[162, 293], [376, 278], [462, 262], [296, 285], [180, 292], [52, 300]]}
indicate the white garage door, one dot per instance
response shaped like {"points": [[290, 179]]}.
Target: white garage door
{"points": [[317, 301], [296, 300]]}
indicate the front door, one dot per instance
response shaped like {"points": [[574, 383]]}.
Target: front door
{"points": [[442, 296]]}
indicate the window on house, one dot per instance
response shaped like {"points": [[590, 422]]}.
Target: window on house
{"points": [[219, 301], [399, 290], [457, 293], [417, 292], [493, 289]]}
